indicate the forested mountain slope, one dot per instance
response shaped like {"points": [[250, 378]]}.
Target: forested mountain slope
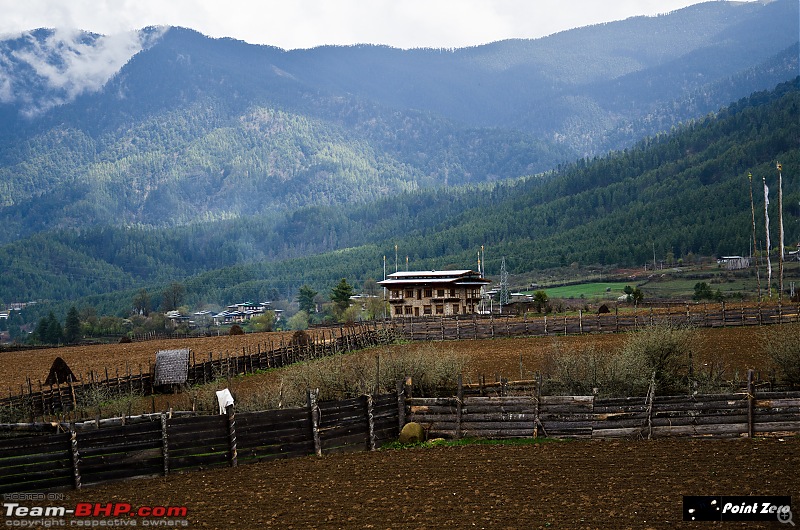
{"points": [[686, 192], [193, 129]]}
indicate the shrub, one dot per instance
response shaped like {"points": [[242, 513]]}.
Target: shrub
{"points": [[300, 338], [661, 349], [352, 375], [236, 329], [578, 372], [782, 345]]}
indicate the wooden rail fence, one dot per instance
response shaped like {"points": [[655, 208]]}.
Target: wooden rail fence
{"points": [[38, 400], [511, 414], [160, 444], [490, 326]]}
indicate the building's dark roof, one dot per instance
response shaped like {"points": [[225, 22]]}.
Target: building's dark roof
{"points": [[172, 367]]}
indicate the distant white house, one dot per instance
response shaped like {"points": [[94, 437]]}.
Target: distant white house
{"points": [[734, 262]]}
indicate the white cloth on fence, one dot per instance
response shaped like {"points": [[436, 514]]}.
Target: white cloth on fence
{"points": [[225, 398]]}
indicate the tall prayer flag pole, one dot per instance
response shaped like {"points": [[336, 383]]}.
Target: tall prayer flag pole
{"points": [[766, 227], [755, 245], [780, 231]]}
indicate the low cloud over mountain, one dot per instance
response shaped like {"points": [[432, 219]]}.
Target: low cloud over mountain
{"points": [[62, 65]]}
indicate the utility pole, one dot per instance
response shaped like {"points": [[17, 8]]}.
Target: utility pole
{"points": [[503, 284]]}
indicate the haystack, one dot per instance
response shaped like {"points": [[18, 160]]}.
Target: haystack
{"points": [[59, 373]]}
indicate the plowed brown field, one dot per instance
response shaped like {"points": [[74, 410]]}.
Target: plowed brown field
{"points": [[558, 485], [569, 485], [736, 348]]}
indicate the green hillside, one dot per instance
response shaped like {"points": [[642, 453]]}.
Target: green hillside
{"points": [[680, 194]]}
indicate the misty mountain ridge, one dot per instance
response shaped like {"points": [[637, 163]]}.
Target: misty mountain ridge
{"points": [[190, 129]]}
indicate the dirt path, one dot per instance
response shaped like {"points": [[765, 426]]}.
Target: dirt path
{"points": [[570, 485]]}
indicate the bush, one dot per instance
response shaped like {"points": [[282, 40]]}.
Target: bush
{"points": [[352, 375], [578, 372], [661, 349], [236, 329], [782, 345]]}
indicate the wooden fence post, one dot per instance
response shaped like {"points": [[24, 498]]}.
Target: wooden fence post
{"points": [[537, 422], [233, 456], [459, 406], [651, 395], [313, 410], [164, 443], [370, 423], [751, 398], [401, 405], [76, 459]]}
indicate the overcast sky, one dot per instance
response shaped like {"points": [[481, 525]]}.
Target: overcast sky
{"points": [[291, 24]]}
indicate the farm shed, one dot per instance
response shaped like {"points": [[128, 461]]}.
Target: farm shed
{"points": [[172, 367]]}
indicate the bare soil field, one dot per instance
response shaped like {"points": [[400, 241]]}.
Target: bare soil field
{"points": [[16, 366], [571, 485], [736, 348], [568, 485]]}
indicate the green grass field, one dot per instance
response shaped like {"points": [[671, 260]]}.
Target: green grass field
{"points": [[598, 290]]}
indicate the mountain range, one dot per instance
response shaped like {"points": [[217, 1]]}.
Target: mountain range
{"points": [[162, 154]]}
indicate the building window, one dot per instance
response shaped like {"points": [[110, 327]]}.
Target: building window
{"points": [[455, 309], [396, 294], [407, 309], [440, 309], [398, 310], [427, 310], [409, 293], [440, 293], [452, 293], [428, 293]]}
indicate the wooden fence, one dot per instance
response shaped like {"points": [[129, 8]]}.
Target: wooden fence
{"points": [[160, 444], [490, 326], [524, 413], [38, 400], [59, 398]]}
